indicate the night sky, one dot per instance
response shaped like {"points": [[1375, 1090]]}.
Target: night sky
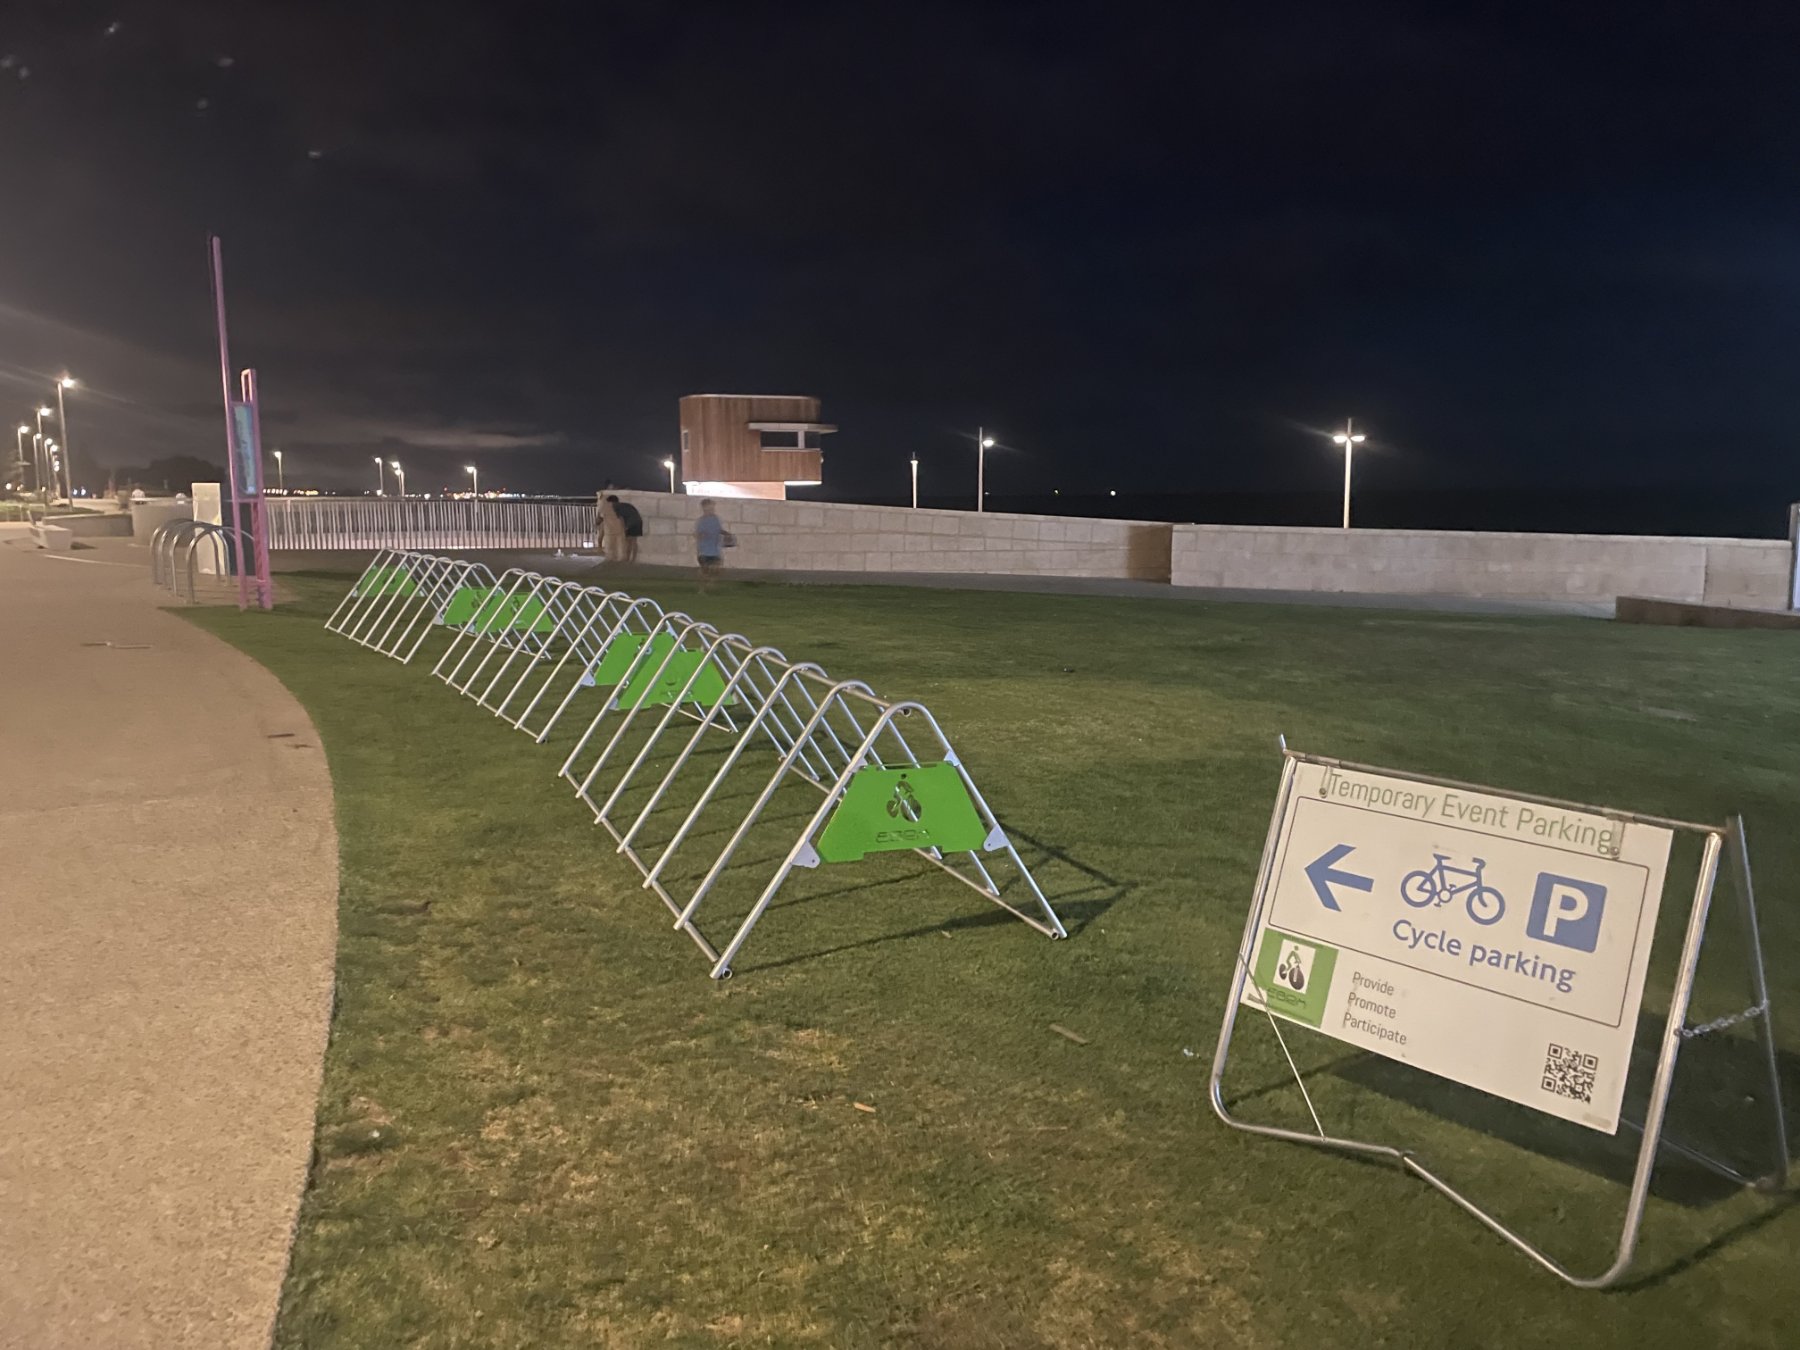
{"points": [[1151, 247]]}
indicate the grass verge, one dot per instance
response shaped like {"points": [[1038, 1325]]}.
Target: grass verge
{"points": [[542, 1125]]}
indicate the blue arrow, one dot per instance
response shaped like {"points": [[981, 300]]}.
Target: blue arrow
{"points": [[1323, 877]]}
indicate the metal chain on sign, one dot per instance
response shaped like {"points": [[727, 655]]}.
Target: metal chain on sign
{"points": [[1721, 1023]]}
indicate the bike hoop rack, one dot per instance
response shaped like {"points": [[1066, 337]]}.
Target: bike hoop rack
{"points": [[1716, 840], [677, 698], [184, 537]]}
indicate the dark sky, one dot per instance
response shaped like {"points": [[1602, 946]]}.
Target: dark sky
{"points": [[1150, 246]]}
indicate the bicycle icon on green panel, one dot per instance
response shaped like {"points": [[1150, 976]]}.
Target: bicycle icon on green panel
{"points": [[1438, 886]]}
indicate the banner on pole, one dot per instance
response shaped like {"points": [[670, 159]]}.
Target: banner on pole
{"points": [[244, 446], [1494, 941]]}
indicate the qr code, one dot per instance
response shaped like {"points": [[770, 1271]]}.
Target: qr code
{"points": [[1569, 1073]]}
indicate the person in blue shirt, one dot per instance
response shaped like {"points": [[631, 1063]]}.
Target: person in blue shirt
{"points": [[711, 539]]}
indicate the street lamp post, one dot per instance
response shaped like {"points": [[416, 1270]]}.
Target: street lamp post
{"points": [[42, 413], [22, 430], [1349, 438], [380, 476], [983, 443], [915, 476], [67, 381], [280, 475], [399, 476], [669, 464], [474, 481], [40, 462]]}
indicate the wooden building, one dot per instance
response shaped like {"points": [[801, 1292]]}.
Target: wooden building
{"points": [[750, 445]]}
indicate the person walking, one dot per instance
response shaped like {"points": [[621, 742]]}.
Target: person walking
{"points": [[711, 539], [612, 531], [633, 523]]}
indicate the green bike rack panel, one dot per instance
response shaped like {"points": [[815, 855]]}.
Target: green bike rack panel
{"points": [[487, 610], [623, 650], [664, 685], [463, 604], [386, 581], [887, 810]]}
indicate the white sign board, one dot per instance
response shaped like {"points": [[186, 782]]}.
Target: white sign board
{"points": [[1496, 942]]}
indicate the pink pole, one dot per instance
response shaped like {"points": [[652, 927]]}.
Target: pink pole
{"points": [[236, 518], [259, 512]]}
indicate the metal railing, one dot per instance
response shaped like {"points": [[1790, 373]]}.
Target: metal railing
{"points": [[418, 523]]}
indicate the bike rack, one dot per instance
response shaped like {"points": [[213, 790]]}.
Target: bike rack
{"points": [[400, 596], [646, 782], [227, 542]]}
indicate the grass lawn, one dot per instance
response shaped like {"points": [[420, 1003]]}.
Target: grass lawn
{"points": [[543, 1125]]}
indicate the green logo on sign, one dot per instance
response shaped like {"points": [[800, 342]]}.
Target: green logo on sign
{"points": [[1294, 976], [885, 810], [904, 802]]}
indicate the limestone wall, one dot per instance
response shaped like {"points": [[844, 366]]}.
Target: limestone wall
{"points": [[806, 536], [1594, 568]]}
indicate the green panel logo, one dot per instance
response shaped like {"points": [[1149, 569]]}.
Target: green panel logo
{"points": [[653, 685], [883, 810], [1294, 975]]}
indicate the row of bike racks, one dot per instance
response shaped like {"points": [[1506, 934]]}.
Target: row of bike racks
{"points": [[176, 544], [691, 729]]}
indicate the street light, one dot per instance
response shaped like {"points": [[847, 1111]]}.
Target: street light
{"points": [[23, 428], [474, 481], [380, 476], [915, 471], [1349, 438], [669, 464], [280, 475], [62, 422], [983, 444], [399, 475]]}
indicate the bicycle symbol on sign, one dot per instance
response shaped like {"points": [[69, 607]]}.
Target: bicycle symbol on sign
{"points": [[904, 802], [1438, 886], [1292, 971]]}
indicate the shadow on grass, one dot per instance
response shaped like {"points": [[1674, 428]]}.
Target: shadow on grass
{"points": [[1718, 1107], [1078, 893]]}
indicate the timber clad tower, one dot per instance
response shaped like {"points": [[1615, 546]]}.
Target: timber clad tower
{"points": [[751, 445]]}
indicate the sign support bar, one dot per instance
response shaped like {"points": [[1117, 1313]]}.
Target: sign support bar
{"points": [[1714, 840]]}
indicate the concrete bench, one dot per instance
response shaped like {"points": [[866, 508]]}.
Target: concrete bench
{"points": [[52, 537]]}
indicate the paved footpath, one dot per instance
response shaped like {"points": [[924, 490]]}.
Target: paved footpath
{"points": [[168, 896]]}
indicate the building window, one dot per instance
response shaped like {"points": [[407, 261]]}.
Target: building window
{"points": [[684, 440]]}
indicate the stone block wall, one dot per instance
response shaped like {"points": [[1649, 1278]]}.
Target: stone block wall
{"points": [[1592, 568], [835, 537]]}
